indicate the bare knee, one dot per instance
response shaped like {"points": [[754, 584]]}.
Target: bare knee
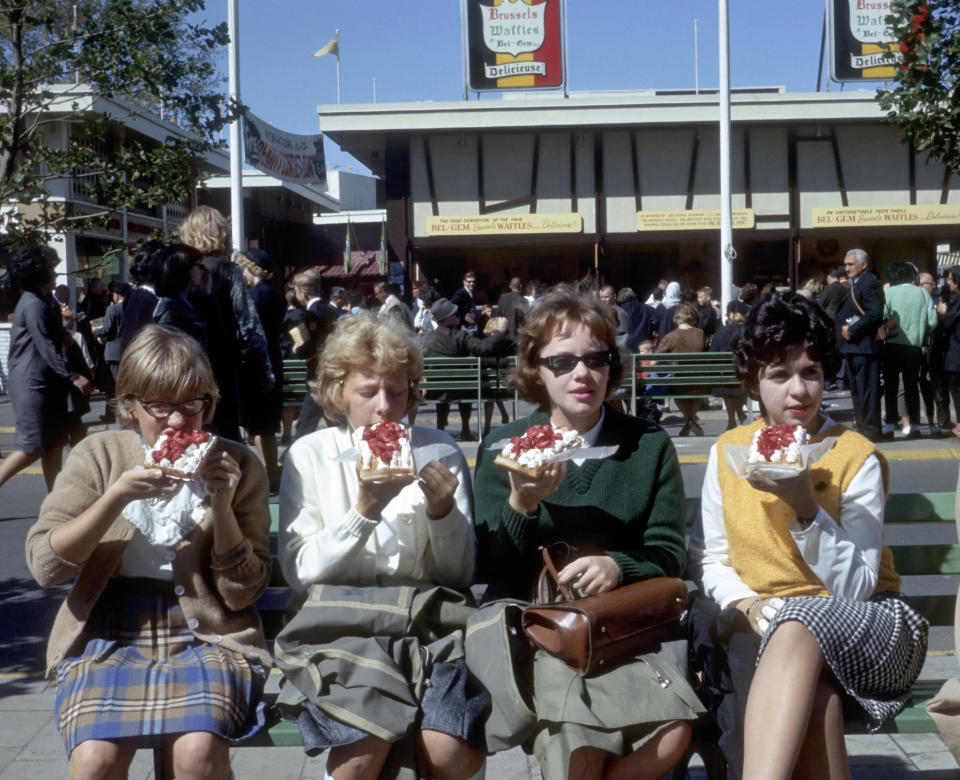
{"points": [[674, 741], [200, 755], [96, 759], [358, 760], [449, 757]]}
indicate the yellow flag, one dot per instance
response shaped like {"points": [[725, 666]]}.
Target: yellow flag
{"points": [[331, 48]]}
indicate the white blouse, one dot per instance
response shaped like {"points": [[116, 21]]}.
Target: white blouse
{"points": [[845, 557], [324, 539]]}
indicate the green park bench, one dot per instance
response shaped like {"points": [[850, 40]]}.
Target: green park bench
{"points": [[680, 375]]}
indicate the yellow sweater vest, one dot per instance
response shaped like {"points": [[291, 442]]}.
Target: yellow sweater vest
{"points": [[762, 551]]}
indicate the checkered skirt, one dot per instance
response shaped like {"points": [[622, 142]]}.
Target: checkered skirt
{"points": [[143, 674], [874, 648]]}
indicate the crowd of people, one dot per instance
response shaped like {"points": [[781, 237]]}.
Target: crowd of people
{"points": [[386, 656]]}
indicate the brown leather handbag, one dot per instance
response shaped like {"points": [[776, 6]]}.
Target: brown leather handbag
{"points": [[595, 633]]}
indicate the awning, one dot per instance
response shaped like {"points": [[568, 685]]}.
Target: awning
{"points": [[362, 264]]}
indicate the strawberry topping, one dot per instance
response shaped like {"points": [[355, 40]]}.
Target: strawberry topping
{"points": [[384, 439], [776, 437], [176, 444], [538, 437]]}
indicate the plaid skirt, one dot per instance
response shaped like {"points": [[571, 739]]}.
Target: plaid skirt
{"points": [[143, 674], [874, 648]]}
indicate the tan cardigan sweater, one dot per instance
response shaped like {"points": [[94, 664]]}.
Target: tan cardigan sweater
{"points": [[217, 590]]}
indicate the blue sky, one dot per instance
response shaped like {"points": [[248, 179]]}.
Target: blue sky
{"points": [[412, 49]]}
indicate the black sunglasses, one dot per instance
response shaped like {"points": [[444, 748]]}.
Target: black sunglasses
{"points": [[564, 363]]}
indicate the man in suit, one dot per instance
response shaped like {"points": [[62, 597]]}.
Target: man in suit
{"points": [[318, 321], [513, 306], [466, 303], [858, 317]]}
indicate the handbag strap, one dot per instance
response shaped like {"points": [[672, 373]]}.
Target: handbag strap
{"points": [[552, 571], [853, 297]]}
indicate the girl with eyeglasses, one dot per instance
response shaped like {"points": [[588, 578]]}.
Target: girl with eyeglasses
{"points": [[624, 515], [158, 641]]}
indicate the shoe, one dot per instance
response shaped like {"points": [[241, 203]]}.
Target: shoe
{"points": [[906, 430], [730, 426], [880, 437], [913, 433], [685, 430], [698, 431], [467, 436], [935, 430], [888, 428]]}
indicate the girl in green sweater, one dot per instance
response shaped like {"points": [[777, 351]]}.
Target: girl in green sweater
{"points": [[624, 515]]}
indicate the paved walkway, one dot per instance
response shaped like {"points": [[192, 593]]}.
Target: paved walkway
{"points": [[31, 749]]}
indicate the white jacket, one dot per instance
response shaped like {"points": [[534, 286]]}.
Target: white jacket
{"points": [[324, 539]]}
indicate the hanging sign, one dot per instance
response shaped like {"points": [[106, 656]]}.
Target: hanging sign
{"points": [[295, 158], [885, 216], [513, 44], [860, 40], [499, 224], [692, 219]]}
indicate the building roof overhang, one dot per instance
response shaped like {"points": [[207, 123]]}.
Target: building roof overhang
{"points": [[362, 129]]}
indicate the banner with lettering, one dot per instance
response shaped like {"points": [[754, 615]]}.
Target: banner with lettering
{"points": [[513, 44], [296, 158], [862, 47]]}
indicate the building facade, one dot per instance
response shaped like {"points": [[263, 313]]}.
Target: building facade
{"points": [[625, 186]]}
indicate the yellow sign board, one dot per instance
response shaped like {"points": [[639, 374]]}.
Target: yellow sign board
{"points": [[885, 216], [498, 224], [692, 220]]}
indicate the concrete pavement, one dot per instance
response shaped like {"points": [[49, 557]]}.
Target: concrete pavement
{"points": [[31, 749]]}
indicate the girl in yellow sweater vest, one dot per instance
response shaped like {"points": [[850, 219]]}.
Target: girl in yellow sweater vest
{"points": [[810, 610]]}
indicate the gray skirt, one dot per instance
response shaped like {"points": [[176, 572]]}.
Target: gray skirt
{"points": [[874, 648], [616, 711]]}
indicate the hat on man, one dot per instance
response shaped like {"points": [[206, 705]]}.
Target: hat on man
{"points": [[441, 309], [257, 262]]}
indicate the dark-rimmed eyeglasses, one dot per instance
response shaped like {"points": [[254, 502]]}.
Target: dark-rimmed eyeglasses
{"points": [[565, 362], [159, 410]]}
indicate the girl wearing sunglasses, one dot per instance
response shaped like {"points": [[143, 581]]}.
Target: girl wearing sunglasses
{"points": [[624, 516], [158, 641]]}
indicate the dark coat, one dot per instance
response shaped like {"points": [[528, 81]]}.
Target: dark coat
{"points": [[514, 307], [466, 304], [832, 296], [951, 329], [138, 309], [109, 331], [862, 326], [447, 342], [642, 321], [181, 314]]}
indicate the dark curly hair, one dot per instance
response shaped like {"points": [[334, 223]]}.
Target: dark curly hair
{"points": [[174, 262], [777, 322], [143, 264], [32, 267]]}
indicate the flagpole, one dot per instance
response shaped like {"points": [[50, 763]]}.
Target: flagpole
{"points": [[236, 162], [727, 252], [338, 67]]}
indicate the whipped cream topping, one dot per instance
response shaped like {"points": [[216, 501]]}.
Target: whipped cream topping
{"points": [[400, 459], [788, 453], [537, 456], [188, 462]]}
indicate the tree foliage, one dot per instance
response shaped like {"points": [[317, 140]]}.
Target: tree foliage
{"points": [[58, 60], [925, 98]]}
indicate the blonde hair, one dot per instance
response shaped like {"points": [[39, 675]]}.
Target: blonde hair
{"points": [[161, 363], [206, 230], [562, 304], [361, 341]]}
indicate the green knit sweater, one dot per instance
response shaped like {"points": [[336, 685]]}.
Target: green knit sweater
{"points": [[629, 506]]}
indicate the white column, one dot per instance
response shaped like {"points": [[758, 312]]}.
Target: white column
{"points": [[236, 159], [727, 253]]}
